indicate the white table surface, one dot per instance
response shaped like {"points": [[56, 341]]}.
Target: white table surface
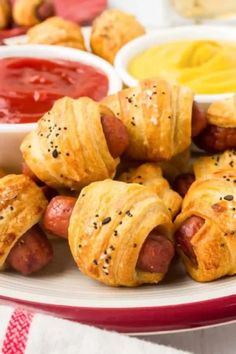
{"points": [[217, 340]]}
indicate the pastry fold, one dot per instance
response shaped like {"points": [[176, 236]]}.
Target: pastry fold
{"points": [[108, 227], [150, 175], [111, 31], [68, 148], [157, 115], [22, 204], [223, 113], [210, 164], [25, 12], [5, 13], [57, 31], [212, 198]]}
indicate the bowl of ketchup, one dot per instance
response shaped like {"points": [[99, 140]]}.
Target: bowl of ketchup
{"points": [[33, 77]]}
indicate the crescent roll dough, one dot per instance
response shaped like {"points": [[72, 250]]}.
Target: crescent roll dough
{"points": [[210, 164], [24, 12], [22, 204], [56, 31], [212, 198], [111, 31], [68, 148], [157, 115], [108, 227], [5, 13], [223, 113], [150, 175]]}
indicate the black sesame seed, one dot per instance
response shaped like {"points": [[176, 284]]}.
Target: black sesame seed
{"points": [[229, 197], [67, 154], [133, 124], [80, 246], [1, 217], [231, 163], [135, 245], [55, 153], [120, 212], [106, 220], [29, 146], [57, 134], [95, 262], [163, 93], [96, 216], [11, 208], [82, 195], [115, 233]]}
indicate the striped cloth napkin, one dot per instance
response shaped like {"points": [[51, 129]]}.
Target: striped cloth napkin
{"points": [[25, 332]]}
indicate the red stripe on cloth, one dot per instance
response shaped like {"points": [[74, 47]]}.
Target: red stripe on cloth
{"points": [[17, 332]]}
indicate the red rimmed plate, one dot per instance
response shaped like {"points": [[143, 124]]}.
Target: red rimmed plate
{"points": [[175, 304]]}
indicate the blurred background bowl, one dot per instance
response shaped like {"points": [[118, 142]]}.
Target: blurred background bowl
{"points": [[11, 135]]}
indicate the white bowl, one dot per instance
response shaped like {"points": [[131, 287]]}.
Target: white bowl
{"points": [[11, 135], [149, 40]]}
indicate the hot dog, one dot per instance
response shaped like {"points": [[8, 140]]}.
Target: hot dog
{"points": [[199, 120], [31, 253], [57, 215], [216, 139], [155, 255], [45, 10], [116, 135], [183, 182], [185, 233]]}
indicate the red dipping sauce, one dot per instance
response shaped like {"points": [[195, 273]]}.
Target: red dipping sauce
{"points": [[29, 87]]}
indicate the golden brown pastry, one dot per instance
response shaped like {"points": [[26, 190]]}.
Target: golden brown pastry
{"points": [[68, 148], [220, 133], [150, 175], [223, 113], [180, 163], [108, 227], [111, 31], [157, 115], [31, 12], [57, 31], [210, 164], [206, 227], [5, 13], [22, 204]]}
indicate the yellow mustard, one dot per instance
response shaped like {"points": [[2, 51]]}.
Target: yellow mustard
{"points": [[206, 66]]}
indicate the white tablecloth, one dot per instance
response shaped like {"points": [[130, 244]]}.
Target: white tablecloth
{"points": [[218, 340]]}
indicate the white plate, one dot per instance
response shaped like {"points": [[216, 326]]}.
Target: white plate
{"points": [[175, 304]]}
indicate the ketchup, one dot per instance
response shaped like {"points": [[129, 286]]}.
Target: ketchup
{"points": [[30, 86]]}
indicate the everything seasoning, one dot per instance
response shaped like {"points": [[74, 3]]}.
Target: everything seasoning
{"points": [[106, 220], [229, 197]]}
